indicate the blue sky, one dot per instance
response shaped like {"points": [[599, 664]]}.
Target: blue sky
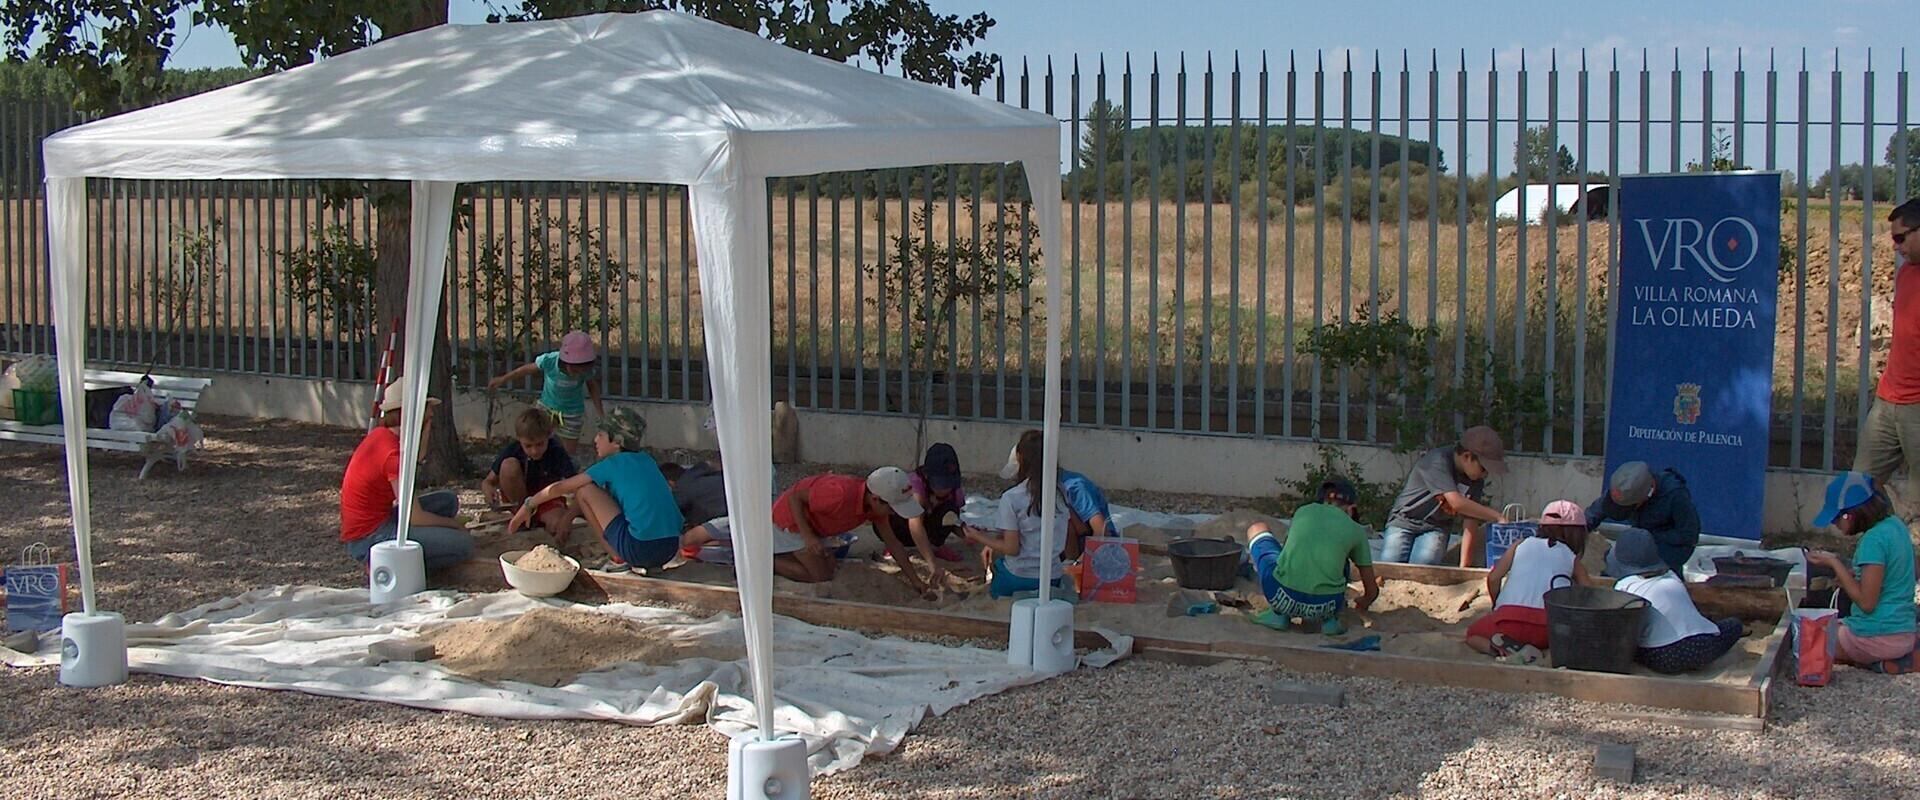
{"points": [[1497, 33]]}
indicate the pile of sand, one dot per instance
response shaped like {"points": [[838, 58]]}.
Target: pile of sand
{"points": [[544, 559], [549, 646]]}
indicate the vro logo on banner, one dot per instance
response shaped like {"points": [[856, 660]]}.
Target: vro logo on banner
{"points": [[1693, 339]]}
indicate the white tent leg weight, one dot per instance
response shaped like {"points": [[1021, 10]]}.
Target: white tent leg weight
{"points": [[772, 769], [93, 650]]}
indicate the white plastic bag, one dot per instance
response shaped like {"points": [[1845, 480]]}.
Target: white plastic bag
{"points": [[134, 411]]}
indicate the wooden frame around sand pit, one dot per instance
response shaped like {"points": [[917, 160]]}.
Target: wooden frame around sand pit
{"points": [[1746, 704]]}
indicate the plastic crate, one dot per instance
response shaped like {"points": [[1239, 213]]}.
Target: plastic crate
{"points": [[33, 407]]}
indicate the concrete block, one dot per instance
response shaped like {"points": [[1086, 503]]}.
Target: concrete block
{"points": [[1295, 693], [1614, 762], [408, 649], [22, 642]]}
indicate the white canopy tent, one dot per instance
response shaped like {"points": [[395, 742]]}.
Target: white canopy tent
{"points": [[658, 97]]}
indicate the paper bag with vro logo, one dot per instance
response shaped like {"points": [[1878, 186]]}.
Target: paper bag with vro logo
{"points": [[36, 590]]}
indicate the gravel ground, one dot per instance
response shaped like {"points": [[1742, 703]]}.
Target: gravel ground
{"points": [[258, 509]]}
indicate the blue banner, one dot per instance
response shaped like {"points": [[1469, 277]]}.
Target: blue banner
{"points": [[1693, 339]]}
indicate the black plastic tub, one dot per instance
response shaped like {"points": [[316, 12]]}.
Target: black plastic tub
{"points": [[1594, 628], [1206, 564], [1774, 568]]}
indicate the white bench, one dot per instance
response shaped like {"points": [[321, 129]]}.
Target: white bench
{"points": [[185, 390]]}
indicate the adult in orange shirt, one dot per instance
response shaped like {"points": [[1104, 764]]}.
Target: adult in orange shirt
{"points": [[1891, 437], [370, 494]]}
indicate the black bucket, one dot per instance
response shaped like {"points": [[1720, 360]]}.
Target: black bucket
{"points": [[1206, 564], [1595, 629]]}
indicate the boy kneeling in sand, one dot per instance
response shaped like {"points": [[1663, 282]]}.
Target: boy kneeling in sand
{"points": [[1306, 579], [533, 461], [623, 496]]}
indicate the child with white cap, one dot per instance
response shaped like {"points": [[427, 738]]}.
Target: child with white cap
{"points": [[1087, 511], [1013, 546], [567, 383], [819, 516]]}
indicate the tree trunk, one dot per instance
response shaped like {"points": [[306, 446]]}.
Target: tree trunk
{"points": [[393, 236], [393, 249]]}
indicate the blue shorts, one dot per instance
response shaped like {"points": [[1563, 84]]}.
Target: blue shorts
{"points": [[640, 553], [1006, 584]]}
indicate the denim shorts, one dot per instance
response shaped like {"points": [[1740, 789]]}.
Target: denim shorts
{"points": [[641, 553]]}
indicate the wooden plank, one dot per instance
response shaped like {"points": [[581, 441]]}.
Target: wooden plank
{"points": [[1744, 603], [1434, 575], [1598, 687]]}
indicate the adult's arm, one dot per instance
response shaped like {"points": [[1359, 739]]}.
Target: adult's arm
{"points": [[797, 503]]}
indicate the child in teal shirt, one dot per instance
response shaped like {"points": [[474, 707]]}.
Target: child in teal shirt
{"points": [[623, 496], [1877, 632], [567, 383]]}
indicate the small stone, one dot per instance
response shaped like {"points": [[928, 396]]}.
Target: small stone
{"points": [[408, 649], [1271, 730], [1295, 693], [1614, 762]]}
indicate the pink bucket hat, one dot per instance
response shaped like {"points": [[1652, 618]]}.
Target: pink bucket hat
{"points": [[1563, 512], [577, 348]]}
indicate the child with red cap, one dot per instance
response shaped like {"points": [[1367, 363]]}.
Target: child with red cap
{"points": [[1517, 627], [567, 383]]}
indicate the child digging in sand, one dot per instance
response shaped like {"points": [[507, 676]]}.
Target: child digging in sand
{"points": [[1306, 579], [1877, 623], [1676, 638], [1516, 630], [534, 460], [623, 497], [567, 383]]}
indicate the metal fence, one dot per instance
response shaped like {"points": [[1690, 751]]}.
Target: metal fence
{"points": [[1218, 218]]}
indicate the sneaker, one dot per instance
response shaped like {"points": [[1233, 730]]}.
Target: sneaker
{"points": [[612, 566], [946, 552], [1898, 666], [1333, 627]]}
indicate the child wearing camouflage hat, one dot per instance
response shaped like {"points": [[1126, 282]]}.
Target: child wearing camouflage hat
{"points": [[623, 496]]}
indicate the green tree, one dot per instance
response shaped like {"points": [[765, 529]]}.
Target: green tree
{"points": [[1535, 154], [1720, 158], [1904, 146], [1105, 132]]}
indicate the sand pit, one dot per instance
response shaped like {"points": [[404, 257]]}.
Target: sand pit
{"points": [[549, 646], [859, 580]]}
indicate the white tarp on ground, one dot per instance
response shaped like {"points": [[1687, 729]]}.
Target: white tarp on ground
{"points": [[847, 695]]}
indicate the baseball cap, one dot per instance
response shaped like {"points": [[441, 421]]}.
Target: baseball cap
{"points": [[1846, 491], [395, 397], [891, 486], [941, 467], [624, 427], [577, 348], [1485, 445], [1338, 489], [1563, 512], [1633, 481]]}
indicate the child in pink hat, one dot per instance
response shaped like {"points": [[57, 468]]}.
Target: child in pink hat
{"points": [[567, 383], [1517, 628]]}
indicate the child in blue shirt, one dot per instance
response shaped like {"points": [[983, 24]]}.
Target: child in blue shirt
{"points": [[623, 496]]}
